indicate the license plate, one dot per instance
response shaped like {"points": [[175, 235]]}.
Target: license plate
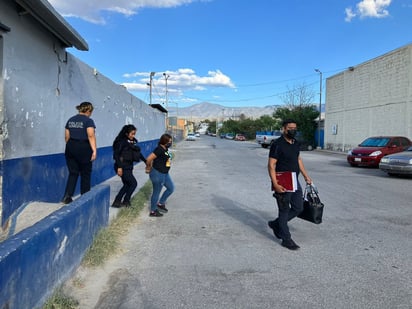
{"points": [[358, 160]]}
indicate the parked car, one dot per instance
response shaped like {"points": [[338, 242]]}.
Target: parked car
{"points": [[240, 137], [197, 134], [229, 136], [397, 164], [371, 150], [222, 135], [191, 137]]}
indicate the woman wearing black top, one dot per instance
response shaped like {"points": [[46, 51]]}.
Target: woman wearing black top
{"points": [[158, 165], [80, 150], [125, 152]]}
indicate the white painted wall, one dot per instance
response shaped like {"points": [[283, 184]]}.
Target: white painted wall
{"points": [[40, 85], [375, 98]]}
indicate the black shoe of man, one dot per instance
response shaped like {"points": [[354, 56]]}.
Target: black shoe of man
{"points": [[290, 244], [274, 227]]}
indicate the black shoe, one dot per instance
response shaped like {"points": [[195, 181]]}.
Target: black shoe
{"points": [[126, 204], [162, 207], [274, 227], [155, 213], [117, 204], [290, 244], [67, 200]]}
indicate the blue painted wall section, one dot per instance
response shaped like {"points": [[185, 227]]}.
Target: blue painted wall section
{"points": [[43, 178], [40, 258]]}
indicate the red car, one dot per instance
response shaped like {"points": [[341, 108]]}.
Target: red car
{"points": [[371, 150], [240, 137]]}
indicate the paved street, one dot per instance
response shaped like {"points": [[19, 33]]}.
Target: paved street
{"points": [[214, 249]]}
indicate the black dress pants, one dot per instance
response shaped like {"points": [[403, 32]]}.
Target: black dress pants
{"points": [[290, 204], [78, 159], [129, 185]]}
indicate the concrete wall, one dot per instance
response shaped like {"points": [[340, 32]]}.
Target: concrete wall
{"points": [[373, 98], [35, 261], [40, 86]]}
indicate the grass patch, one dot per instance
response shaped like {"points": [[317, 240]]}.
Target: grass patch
{"points": [[61, 301], [105, 244], [107, 240]]}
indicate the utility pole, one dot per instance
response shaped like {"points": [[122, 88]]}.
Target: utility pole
{"points": [[166, 104], [150, 85], [320, 105], [166, 78]]}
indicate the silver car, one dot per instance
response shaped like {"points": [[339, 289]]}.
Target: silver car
{"points": [[191, 137], [398, 163]]}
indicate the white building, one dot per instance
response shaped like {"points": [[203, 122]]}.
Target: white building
{"points": [[370, 99]]}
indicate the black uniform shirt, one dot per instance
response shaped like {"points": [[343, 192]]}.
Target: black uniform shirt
{"points": [[286, 155], [77, 125]]}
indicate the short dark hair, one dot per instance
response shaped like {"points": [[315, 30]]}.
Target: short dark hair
{"points": [[286, 122], [164, 139]]}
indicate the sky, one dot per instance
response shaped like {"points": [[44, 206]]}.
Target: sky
{"points": [[232, 52]]}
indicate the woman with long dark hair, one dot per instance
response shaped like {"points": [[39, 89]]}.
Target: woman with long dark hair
{"points": [[125, 152]]}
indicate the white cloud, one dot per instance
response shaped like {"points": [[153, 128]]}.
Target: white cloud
{"points": [[178, 81], [91, 10], [349, 14], [369, 8]]}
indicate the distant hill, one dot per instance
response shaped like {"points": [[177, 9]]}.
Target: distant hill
{"points": [[211, 111]]}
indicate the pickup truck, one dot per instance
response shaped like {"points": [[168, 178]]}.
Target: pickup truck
{"points": [[265, 138]]}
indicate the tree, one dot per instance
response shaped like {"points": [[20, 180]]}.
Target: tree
{"points": [[298, 96], [267, 123], [300, 107], [212, 127]]}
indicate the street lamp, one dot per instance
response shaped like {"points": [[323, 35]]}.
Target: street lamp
{"points": [[150, 85], [166, 78], [320, 105]]}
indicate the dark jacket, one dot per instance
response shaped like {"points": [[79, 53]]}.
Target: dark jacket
{"points": [[126, 152]]}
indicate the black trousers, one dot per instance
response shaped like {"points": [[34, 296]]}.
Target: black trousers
{"points": [[78, 155], [129, 185], [290, 204]]}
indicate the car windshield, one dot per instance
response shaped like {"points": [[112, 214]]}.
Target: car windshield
{"points": [[409, 149], [375, 142]]}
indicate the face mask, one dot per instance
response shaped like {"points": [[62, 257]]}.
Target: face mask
{"points": [[168, 145], [291, 133]]}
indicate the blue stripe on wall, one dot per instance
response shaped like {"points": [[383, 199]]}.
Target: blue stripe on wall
{"points": [[43, 178]]}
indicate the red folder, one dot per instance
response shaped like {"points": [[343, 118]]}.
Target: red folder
{"points": [[288, 180]]}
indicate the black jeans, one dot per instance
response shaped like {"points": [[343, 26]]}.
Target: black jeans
{"points": [[78, 155], [290, 204], [129, 185]]}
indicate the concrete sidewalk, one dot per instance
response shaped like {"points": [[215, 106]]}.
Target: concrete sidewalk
{"points": [[34, 212]]}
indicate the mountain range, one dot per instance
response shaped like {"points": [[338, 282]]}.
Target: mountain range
{"points": [[205, 110]]}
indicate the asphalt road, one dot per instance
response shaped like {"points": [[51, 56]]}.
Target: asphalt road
{"points": [[214, 249]]}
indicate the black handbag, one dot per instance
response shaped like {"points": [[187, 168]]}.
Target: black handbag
{"points": [[312, 206]]}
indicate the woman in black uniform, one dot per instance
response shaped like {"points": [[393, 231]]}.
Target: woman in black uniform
{"points": [[125, 152], [80, 150]]}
